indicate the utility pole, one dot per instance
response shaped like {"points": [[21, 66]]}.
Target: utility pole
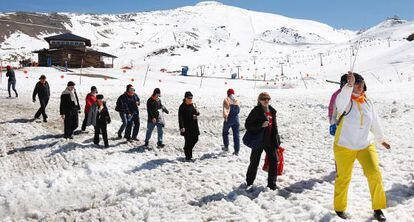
{"points": [[254, 60], [287, 59], [320, 55], [238, 71], [281, 68], [389, 42]]}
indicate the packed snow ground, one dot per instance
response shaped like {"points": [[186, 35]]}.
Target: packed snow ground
{"points": [[45, 177]]}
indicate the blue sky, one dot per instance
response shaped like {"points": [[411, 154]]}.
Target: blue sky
{"points": [[350, 14]]}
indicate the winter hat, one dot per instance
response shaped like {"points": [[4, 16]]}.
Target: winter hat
{"points": [[359, 79], [344, 80], [8, 67], [70, 83], [99, 96], [93, 88], [42, 77], [156, 91], [230, 92], [188, 95]]}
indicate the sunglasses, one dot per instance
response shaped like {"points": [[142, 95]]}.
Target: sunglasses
{"points": [[131, 90], [265, 99]]}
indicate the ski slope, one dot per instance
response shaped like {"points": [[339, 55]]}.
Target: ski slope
{"points": [[45, 177]]}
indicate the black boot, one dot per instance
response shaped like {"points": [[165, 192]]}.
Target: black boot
{"points": [[379, 215], [160, 145], [342, 214]]}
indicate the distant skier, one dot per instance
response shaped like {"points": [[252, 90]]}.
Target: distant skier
{"points": [[90, 100], [332, 112], [155, 111], [69, 110], [42, 90], [352, 141], [99, 117], [187, 120], [262, 123], [11, 83], [127, 106], [231, 110]]}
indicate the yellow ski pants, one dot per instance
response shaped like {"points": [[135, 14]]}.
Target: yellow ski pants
{"points": [[368, 158]]}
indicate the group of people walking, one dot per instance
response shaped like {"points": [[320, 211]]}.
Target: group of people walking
{"points": [[352, 116]]}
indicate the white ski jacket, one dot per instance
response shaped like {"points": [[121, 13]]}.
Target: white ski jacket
{"points": [[354, 129]]}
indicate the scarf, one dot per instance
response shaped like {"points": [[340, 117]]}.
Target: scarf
{"points": [[72, 95], [359, 99]]}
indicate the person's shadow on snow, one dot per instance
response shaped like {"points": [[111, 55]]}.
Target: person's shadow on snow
{"points": [[152, 164], [31, 148], [252, 193], [301, 186], [21, 120], [399, 193]]}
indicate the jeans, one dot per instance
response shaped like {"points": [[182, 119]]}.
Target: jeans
{"points": [[132, 121], [150, 128], [236, 138], [124, 118], [11, 84], [42, 109]]}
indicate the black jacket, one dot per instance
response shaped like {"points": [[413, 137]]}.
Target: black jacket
{"points": [[254, 124], [103, 117], [67, 106], [153, 107], [43, 91], [187, 120], [11, 75], [127, 104]]}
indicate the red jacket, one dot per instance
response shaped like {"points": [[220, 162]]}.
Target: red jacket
{"points": [[90, 100]]}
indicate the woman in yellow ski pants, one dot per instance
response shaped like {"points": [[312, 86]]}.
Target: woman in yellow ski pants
{"points": [[353, 142]]}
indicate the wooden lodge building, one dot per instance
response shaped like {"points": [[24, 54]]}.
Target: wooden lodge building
{"points": [[71, 51]]}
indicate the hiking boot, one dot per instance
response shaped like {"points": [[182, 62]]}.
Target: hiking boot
{"points": [[225, 148], [135, 139], [379, 215], [343, 215], [235, 153], [160, 145], [272, 187], [146, 144], [45, 120]]}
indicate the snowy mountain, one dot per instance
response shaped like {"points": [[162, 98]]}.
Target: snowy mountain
{"points": [[217, 36], [207, 27]]}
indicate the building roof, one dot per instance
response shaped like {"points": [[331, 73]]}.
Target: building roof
{"points": [[68, 37], [91, 51]]}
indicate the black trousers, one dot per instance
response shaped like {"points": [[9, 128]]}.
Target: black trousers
{"points": [[42, 109], [71, 123], [190, 142], [85, 120], [101, 129], [254, 163], [134, 121]]}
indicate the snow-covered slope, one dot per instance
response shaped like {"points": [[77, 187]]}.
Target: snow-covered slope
{"points": [[208, 27]]}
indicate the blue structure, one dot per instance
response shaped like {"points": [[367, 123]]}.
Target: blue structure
{"points": [[184, 71]]}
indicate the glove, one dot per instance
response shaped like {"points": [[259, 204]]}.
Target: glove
{"points": [[332, 129]]}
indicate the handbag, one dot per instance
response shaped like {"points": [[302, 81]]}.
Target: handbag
{"points": [[253, 140], [280, 164]]}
